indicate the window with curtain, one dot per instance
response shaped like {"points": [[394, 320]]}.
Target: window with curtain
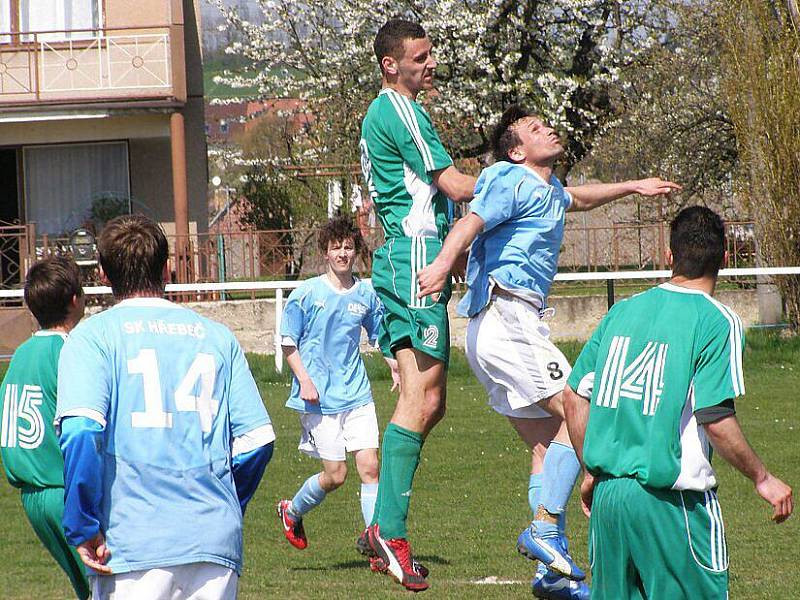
{"points": [[66, 18], [62, 182], [5, 21]]}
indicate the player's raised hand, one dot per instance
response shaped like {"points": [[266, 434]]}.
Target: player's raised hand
{"points": [[778, 494], [308, 391], [432, 279], [95, 554], [655, 186]]}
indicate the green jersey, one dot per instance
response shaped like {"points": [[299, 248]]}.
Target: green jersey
{"points": [[28, 442], [654, 360], [400, 150]]}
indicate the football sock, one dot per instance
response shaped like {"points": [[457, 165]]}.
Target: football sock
{"points": [[369, 494], [308, 496], [399, 462], [561, 469], [534, 491]]}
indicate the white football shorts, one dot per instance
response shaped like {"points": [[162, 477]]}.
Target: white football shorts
{"points": [[509, 349], [331, 437], [194, 581]]}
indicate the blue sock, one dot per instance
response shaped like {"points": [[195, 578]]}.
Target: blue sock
{"points": [[308, 496], [561, 469], [534, 491], [369, 494]]}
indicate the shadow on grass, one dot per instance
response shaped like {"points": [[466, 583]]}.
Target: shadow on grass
{"points": [[362, 564]]}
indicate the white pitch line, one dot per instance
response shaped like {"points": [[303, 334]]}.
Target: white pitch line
{"points": [[494, 580]]}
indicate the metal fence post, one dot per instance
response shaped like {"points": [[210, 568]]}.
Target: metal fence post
{"points": [[278, 316], [610, 292], [221, 263]]}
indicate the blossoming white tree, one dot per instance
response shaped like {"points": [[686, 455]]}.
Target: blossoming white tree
{"points": [[564, 58]]}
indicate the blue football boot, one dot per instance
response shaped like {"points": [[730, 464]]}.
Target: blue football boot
{"points": [[550, 549], [549, 585]]}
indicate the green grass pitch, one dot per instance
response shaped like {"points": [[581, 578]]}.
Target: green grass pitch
{"points": [[469, 504]]}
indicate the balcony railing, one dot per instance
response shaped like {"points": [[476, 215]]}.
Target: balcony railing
{"points": [[85, 64]]}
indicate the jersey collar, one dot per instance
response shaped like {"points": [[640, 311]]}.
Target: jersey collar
{"points": [[350, 290], [671, 287], [50, 333], [536, 175], [148, 302]]}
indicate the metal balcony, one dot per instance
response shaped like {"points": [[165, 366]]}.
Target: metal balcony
{"points": [[85, 65]]}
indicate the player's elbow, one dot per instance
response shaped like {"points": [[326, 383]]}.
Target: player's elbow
{"points": [[455, 185]]}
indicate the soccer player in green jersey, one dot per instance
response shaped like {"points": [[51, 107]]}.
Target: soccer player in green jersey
{"points": [[650, 395], [28, 442], [409, 176]]}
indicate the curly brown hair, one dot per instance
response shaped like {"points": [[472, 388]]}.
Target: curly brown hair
{"points": [[340, 229]]}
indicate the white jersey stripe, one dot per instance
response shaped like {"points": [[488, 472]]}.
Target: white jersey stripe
{"points": [[402, 106], [425, 150], [735, 336]]}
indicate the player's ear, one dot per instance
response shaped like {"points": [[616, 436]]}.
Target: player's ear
{"points": [[669, 257], [725, 258], [389, 65], [165, 274], [516, 154]]}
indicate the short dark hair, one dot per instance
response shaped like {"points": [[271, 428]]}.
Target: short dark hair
{"points": [[504, 138], [133, 251], [697, 242], [50, 286], [390, 37], [340, 229]]}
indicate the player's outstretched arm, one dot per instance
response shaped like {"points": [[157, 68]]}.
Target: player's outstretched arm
{"points": [[433, 278], [592, 195], [81, 442], [728, 440], [454, 184], [308, 391]]}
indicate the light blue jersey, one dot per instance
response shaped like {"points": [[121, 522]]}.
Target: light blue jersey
{"points": [[175, 395], [519, 245], [325, 324]]}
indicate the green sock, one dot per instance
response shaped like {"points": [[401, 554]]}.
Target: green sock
{"points": [[399, 461]]}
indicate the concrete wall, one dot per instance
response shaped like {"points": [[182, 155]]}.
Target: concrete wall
{"points": [[253, 321]]}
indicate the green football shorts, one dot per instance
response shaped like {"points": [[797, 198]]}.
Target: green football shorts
{"points": [[656, 544], [408, 320], [45, 509]]}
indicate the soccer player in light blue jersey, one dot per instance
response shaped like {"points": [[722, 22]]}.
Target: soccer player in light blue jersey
{"points": [[321, 335], [164, 434], [516, 226]]}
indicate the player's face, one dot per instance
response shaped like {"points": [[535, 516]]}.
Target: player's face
{"points": [[341, 256], [539, 143], [415, 68]]}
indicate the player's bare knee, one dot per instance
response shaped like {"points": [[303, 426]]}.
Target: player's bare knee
{"points": [[335, 476], [369, 470], [434, 408]]}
